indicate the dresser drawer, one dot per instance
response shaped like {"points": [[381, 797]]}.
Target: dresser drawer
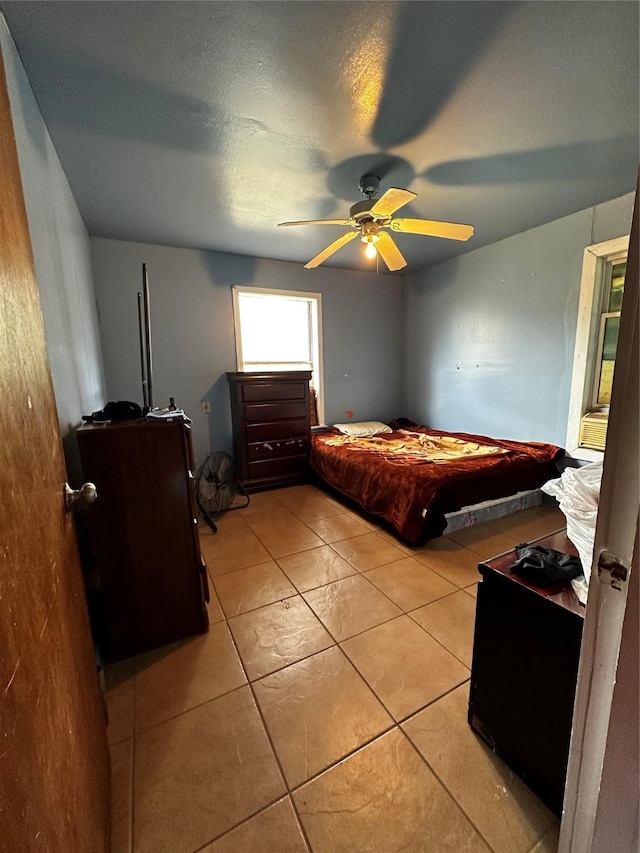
{"points": [[277, 391], [277, 430], [287, 465], [261, 412], [277, 449]]}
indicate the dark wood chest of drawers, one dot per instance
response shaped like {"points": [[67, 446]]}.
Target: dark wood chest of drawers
{"points": [[271, 427], [144, 532], [524, 671]]}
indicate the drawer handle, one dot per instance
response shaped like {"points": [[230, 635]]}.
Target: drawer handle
{"points": [[267, 445]]}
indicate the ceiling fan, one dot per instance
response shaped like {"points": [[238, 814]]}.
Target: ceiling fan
{"points": [[368, 218]]}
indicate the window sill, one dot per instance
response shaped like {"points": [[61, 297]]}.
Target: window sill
{"points": [[586, 454]]}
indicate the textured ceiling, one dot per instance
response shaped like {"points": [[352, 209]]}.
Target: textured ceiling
{"points": [[205, 124]]}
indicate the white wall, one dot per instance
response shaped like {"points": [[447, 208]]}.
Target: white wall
{"points": [[193, 337], [62, 255]]}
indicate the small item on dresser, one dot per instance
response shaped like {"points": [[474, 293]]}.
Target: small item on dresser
{"points": [[167, 415], [122, 410], [545, 566]]}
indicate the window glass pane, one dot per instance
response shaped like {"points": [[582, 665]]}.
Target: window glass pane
{"points": [[610, 342], [275, 329], [279, 331], [617, 286]]}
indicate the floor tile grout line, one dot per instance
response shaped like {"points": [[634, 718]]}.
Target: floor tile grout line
{"points": [[443, 783], [394, 722], [359, 633], [255, 701], [380, 699], [321, 585], [437, 598], [272, 745], [282, 556], [404, 612], [261, 810], [259, 607], [148, 729], [331, 544], [326, 545], [239, 569], [296, 789], [439, 642], [351, 636], [433, 701], [444, 577], [290, 790], [384, 622], [450, 795], [359, 572]]}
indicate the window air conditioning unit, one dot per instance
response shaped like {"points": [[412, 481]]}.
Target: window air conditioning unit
{"points": [[593, 430]]}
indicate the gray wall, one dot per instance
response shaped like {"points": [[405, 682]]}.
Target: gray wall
{"points": [[193, 334], [489, 336], [62, 256]]}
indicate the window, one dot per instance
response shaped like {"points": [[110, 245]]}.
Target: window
{"points": [[280, 330], [601, 292], [613, 290]]}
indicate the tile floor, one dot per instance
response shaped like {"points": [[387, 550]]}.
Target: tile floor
{"points": [[325, 709]]}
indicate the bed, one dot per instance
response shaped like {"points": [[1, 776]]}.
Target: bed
{"points": [[412, 476]]}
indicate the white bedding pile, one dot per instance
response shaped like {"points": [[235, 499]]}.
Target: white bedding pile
{"points": [[578, 491]]}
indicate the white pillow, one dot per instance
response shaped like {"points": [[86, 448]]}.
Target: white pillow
{"points": [[363, 429]]}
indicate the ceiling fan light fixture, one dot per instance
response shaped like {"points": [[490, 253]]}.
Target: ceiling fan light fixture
{"points": [[370, 237], [370, 250]]}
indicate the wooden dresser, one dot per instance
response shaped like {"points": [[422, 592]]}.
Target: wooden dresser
{"points": [[271, 427], [144, 532], [524, 671]]}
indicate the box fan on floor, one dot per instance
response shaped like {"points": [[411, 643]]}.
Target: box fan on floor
{"points": [[217, 487]]}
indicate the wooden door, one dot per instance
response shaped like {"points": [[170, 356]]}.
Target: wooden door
{"points": [[601, 795], [54, 760]]}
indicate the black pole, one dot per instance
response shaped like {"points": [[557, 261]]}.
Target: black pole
{"points": [[143, 364], [147, 332]]}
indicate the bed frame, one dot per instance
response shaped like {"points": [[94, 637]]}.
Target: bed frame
{"points": [[405, 479]]}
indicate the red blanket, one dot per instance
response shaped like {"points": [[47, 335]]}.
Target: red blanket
{"points": [[412, 477]]}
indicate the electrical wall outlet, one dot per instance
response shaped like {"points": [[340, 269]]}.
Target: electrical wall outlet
{"points": [[206, 407]]}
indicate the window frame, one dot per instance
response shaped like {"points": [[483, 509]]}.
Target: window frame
{"points": [[307, 296], [593, 285]]}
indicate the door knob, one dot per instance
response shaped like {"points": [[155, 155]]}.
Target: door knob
{"points": [[87, 494]]}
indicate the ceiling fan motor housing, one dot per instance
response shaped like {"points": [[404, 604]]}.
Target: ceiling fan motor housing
{"points": [[369, 185], [369, 230], [361, 209]]}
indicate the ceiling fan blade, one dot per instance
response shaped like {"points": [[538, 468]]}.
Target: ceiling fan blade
{"points": [[326, 253], [319, 222], [432, 228], [391, 201], [389, 252]]}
